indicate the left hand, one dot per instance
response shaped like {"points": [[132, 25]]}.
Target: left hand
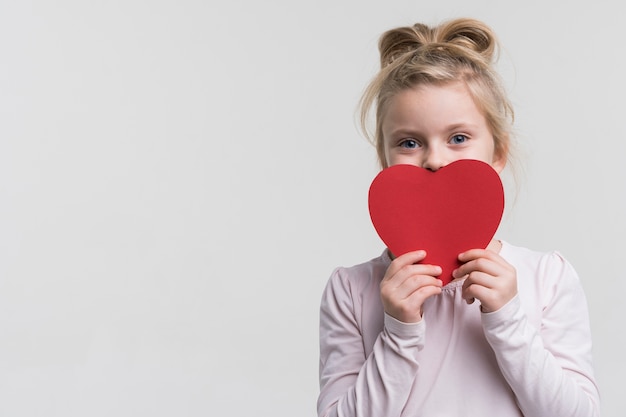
{"points": [[490, 279]]}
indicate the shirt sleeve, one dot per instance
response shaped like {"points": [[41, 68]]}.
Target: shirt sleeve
{"points": [[549, 369], [352, 384]]}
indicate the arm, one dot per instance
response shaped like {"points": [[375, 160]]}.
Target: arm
{"points": [[378, 385], [548, 369], [350, 383]]}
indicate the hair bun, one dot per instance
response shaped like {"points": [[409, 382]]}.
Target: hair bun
{"points": [[397, 42], [471, 34], [465, 33]]}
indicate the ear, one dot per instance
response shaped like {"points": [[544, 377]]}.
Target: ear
{"points": [[499, 159], [499, 163], [500, 155]]}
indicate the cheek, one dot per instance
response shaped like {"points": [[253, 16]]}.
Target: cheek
{"points": [[393, 158], [402, 159]]}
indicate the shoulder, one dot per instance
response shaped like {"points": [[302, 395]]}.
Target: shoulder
{"points": [[360, 275], [351, 290], [540, 263], [542, 275], [364, 272]]}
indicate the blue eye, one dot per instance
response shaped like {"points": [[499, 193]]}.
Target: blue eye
{"points": [[458, 139], [409, 144]]}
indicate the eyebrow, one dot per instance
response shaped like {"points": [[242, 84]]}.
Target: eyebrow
{"points": [[411, 132], [404, 132], [462, 125]]}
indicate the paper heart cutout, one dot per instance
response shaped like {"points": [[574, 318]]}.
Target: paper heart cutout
{"points": [[445, 212]]}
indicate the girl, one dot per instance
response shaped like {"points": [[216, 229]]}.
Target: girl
{"points": [[393, 341]]}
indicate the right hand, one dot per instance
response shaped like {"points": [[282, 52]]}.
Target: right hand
{"points": [[406, 285]]}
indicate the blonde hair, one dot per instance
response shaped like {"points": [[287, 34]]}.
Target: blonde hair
{"points": [[460, 50]]}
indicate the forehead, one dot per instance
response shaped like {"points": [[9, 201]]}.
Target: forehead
{"points": [[432, 105]]}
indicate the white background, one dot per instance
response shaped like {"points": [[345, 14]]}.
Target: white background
{"points": [[179, 178]]}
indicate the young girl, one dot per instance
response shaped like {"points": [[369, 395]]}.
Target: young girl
{"points": [[509, 336]]}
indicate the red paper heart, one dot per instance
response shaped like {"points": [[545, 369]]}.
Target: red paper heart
{"points": [[446, 212]]}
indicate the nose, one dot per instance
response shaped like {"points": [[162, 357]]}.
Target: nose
{"points": [[433, 160]]}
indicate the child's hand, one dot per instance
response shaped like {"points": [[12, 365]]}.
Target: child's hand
{"points": [[407, 285], [490, 279]]}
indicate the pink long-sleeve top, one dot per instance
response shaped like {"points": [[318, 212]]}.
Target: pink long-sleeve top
{"points": [[530, 358]]}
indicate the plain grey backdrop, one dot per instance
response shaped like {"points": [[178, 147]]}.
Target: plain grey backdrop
{"points": [[179, 178]]}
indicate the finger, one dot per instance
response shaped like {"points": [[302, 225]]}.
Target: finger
{"points": [[475, 284], [411, 278], [480, 253], [487, 297], [485, 265], [413, 270], [420, 269], [409, 310], [479, 278], [415, 284], [408, 258], [396, 276], [418, 297]]}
